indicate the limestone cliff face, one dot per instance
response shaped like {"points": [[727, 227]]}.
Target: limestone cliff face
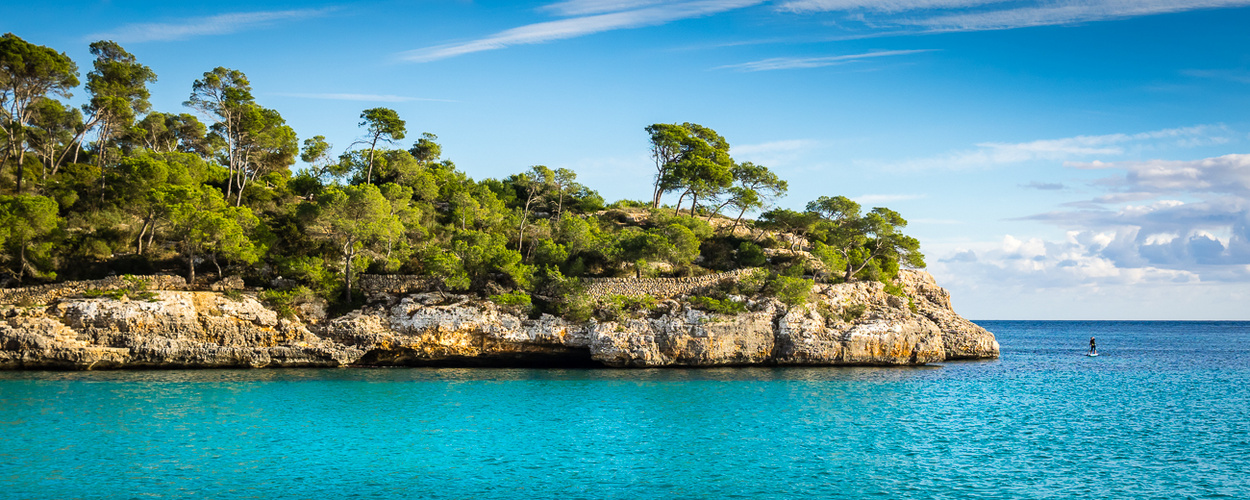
{"points": [[176, 329], [848, 324]]}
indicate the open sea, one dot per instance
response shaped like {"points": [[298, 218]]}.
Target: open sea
{"points": [[1164, 412]]}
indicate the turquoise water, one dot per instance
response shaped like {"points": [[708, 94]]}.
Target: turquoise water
{"points": [[1163, 413]]}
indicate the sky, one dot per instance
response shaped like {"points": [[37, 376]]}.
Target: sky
{"points": [[1057, 159]]}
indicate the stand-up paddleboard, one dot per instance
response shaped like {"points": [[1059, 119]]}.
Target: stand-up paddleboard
{"points": [[1092, 355]]}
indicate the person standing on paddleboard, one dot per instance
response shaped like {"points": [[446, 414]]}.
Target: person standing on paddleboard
{"points": [[1093, 347]]}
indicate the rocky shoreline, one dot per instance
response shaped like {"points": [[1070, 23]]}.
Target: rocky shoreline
{"points": [[845, 324]]}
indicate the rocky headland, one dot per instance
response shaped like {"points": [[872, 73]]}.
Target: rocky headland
{"points": [[843, 324]]}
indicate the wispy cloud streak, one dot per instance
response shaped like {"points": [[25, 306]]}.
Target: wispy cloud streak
{"points": [[222, 24], [989, 154], [980, 15], [777, 63], [651, 15]]}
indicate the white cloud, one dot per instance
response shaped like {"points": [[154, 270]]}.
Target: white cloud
{"points": [[1070, 12], [1228, 174], [222, 24], [590, 7], [777, 63], [989, 154], [978, 15], [1164, 221], [359, 97], [651, 14], [891, 6]]}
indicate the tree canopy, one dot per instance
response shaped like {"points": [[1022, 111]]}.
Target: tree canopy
{"points": [[163, 191]]}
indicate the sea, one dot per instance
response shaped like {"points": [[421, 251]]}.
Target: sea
{"points": [[1163, 412]]}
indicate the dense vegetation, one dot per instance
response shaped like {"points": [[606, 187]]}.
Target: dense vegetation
{"points": [[115, 187]]}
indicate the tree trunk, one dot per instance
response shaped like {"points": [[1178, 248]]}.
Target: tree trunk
{"points": [[21, 168], [347, 269], [520, 239], [191, 269], [139, 241], [736, 221], [680, 199], [214, 254], [372, 146], [21, 265]]}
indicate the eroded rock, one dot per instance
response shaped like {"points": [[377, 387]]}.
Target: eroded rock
{"points": [[847, 324]]}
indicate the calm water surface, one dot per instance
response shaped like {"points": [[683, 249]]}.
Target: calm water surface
{"points": [[1163, 413]]}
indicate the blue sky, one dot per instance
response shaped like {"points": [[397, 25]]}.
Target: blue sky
{"points": [[1057, 159]]}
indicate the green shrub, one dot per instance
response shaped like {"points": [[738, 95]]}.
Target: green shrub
{"points": [[853, 312], [284, 301], [894, 289], [789, 290], [616, 307], [516, 299], [751, 255], [719, 306], [134, 289], [576, 309]]}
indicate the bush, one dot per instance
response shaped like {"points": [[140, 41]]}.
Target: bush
{"points": [[629, 204], [284, 302], [895, 289], [135, 289], [789, 290], [853, 312], [615, 307], [751, 255], [513, 300], [719, 306]]}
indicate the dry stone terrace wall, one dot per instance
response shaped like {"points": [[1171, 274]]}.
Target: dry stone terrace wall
{"points": [[44, 294], [598, 288], [397, 284]]}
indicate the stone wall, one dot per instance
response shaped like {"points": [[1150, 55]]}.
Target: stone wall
{"points": [[598, 288], [398, 284], [44, 294]]}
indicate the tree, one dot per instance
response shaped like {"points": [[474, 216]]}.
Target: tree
{"points": [[265, 144], [316, 153], [168, 132], [425, 150], [225, 95], [862, 239], [564, 181], [28, 73], [691, 158], [383, 125], [26, 223], [203, 224], [118, 89], [789, 221], [354, 219], [666, 140], [52, 132], [755, 186], [533, 186]]}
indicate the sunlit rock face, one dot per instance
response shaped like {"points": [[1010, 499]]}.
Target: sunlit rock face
{"points": [[845, 324]]}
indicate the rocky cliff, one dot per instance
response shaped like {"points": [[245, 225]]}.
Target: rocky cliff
{"points": [[846, 324]]}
